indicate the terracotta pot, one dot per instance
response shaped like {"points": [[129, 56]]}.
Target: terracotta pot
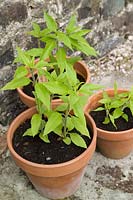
{"points": [[58, 180], [113, 145], [80, 67]]}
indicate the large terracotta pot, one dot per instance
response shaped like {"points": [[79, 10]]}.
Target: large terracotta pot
{"points": [[58, 180], [80, 67], [113, 145]]}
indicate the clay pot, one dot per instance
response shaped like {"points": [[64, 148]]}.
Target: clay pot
{"points": [[58, 180], [113, 145], [81, 69]]}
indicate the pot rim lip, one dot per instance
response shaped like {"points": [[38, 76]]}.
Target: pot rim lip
{"points": [[46, 166], [116, 133]]}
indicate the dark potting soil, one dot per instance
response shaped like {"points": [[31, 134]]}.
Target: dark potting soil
{"points": [[37, 151], [121, 124], [28, 89]]}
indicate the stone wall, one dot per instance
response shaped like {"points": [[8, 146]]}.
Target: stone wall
{"points": [[110, 22]]}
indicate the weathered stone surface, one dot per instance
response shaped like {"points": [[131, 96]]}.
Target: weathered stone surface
{"points": [[7, 58], [12, 11], [112, 7], [89, 8], [108, 44]]}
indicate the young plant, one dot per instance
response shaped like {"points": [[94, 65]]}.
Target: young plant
{"points": [[70, 123], [115, 106], [57, 42], [66, 120]]}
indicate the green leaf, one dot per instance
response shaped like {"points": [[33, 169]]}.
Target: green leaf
{"points": [[36, 27], [78, 140], [112, 120], [67, 140], [62, 107], [125, 116], [51, 23], [106, 120], [48, 49], [51, 125], [62, 37], [43, 94], [28, 132], [35, 124], [88, 88], [58, 130], [23, 57], [80, 33], [16, 83], [71, 74], [61, 59], [59, 88], [20, 72], [70, 124], [85, 48], [71, 25], [99, 109], [131, 105], [105, 101], [40, 64], [35, 52], [117, 113], [36, 30], [80, 125], [44, 138]]}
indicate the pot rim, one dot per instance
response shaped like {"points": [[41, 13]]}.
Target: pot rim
{"points": [[22, 93], [10, 134], [105, 133]]}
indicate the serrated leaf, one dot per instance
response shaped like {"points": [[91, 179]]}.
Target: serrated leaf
{"points": [[62, 37], [67, 140], [28, 132], [78, 140], [35, 124], [51, 125], [43, 94], [44, 138], [16, 83], [51, 23], [20, 72]]}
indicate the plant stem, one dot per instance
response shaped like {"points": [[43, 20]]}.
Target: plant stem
{"points": [[64, 133]]}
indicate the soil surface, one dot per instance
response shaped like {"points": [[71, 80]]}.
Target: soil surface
{"points": [[121, 123], [35, 150]]}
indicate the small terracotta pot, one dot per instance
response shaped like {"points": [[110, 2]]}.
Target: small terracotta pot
{"points": [[111, 144], [58, 180], [80, 67]]}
